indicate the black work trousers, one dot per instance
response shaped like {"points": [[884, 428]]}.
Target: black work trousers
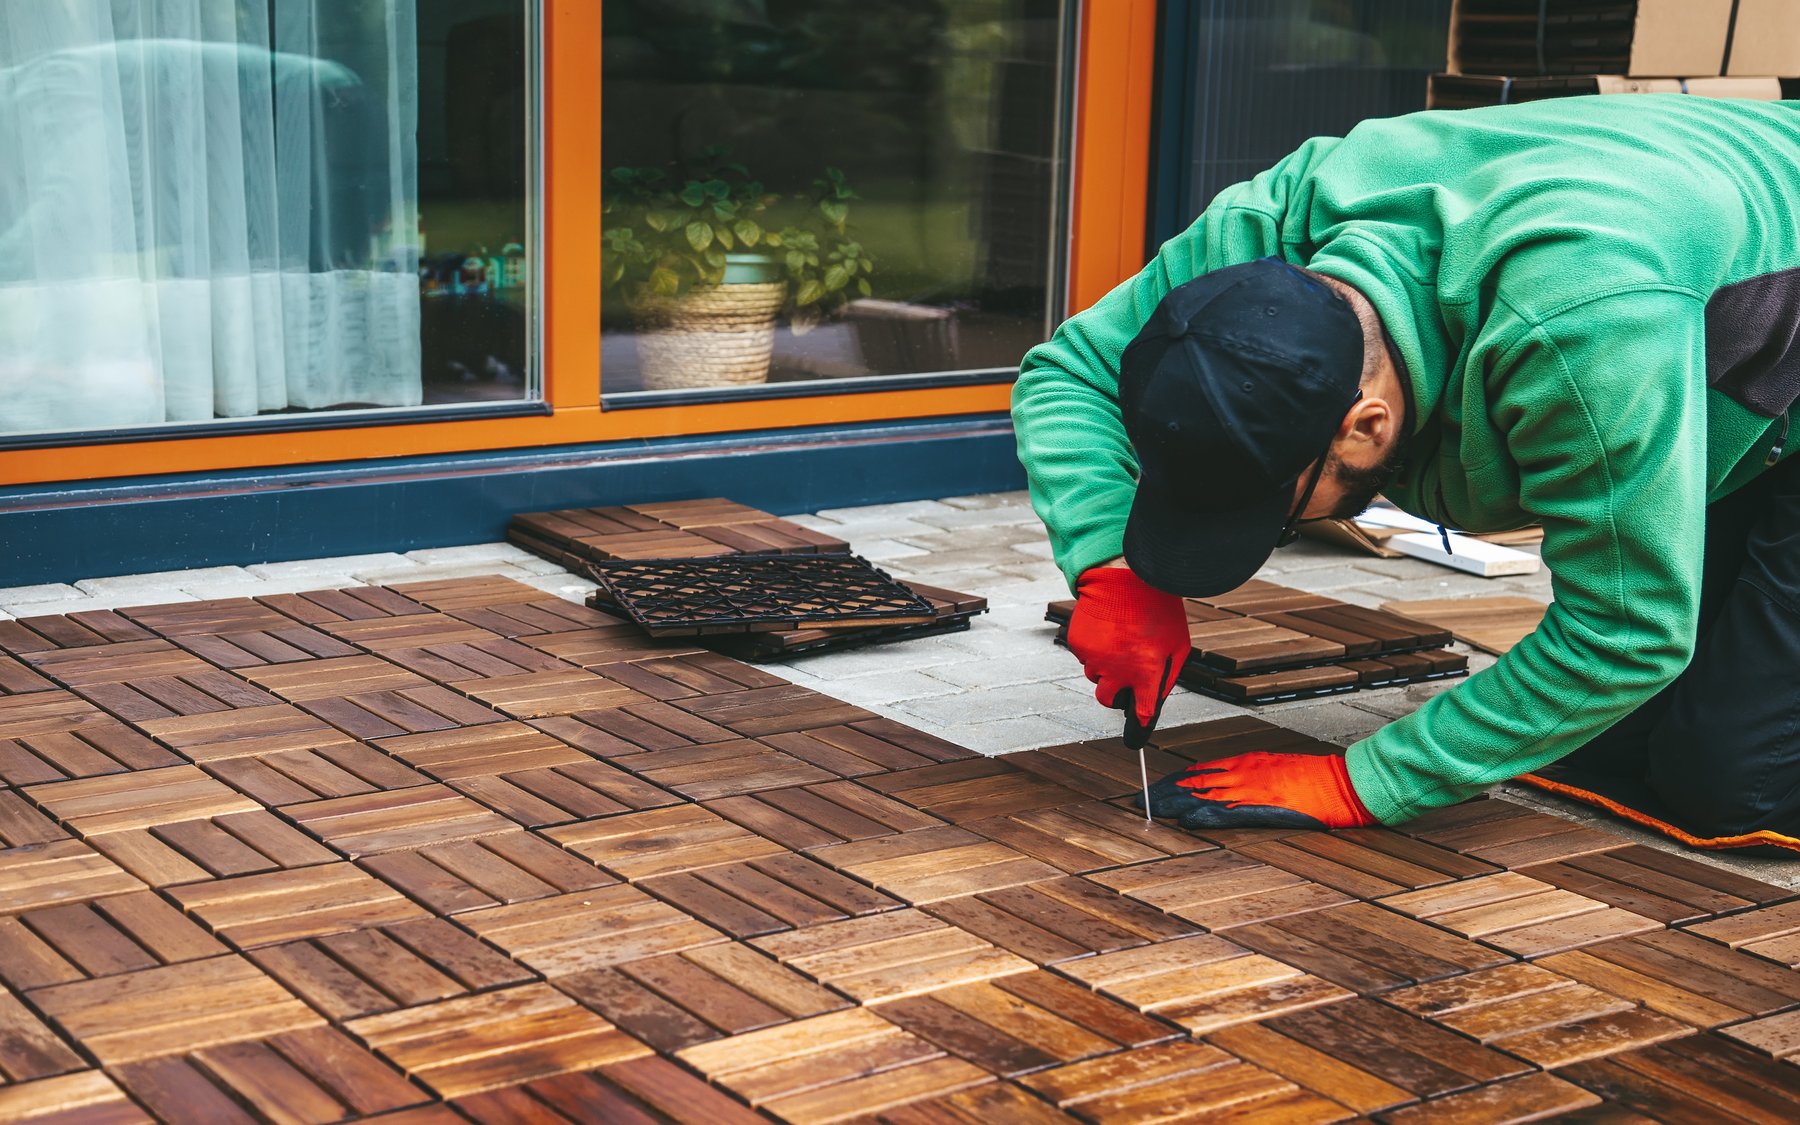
{"points": [[1721, 745]]}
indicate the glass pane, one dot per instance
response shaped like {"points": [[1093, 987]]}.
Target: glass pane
{"points": [[807, 191], [1269, 74], [230, 209]]}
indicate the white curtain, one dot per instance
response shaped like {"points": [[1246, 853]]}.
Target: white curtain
{"points": [[205, 209]]}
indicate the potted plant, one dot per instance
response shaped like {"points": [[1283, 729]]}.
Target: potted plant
{"points": [[705, 278]]}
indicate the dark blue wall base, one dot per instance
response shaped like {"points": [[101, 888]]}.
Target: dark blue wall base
{"points": [[60, 533]]}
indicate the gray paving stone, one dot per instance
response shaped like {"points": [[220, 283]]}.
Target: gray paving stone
{"points": [[1004, 736], [881, 688], [981, 500], [563, 584], [418, 572], [974, 538], [926, 652], [1051, 663], [1332, 722], [83, 605], [995, 704], [882, 550], [340, 564], [170, 579], [983, 517], [472, 553], [48, 592], [906, 510]]}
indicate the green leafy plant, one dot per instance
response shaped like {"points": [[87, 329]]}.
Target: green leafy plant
{"points": [[666, 234]]}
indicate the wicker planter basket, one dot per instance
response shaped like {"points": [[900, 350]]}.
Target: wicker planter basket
{"points": [[716, 336]]}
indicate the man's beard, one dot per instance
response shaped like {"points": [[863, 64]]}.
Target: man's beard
{"points": [[1361, 486]]}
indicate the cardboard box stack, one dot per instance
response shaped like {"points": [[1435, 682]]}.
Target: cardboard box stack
{"points": [[1506, 51]]}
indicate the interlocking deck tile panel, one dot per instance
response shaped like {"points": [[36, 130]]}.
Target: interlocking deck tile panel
{"points": [[766, 896], [282, 906], [1365, 948], [140, 800], [86, 1096], [383, 968], [1367, 866], [1086, 837], [70, 739], [633, 729], [1530, 1097], [973, 789], [207, 618], [1519, 914], [1391, 1045], [774, 710], [56, 872], [29, 1049], [502, 1038], [890, 956], [1192, 1081], [846, 750], [468, 875], [928, 864], [831, 1067], [80, 941], [563, 691], [1203, 983], [1538, 1015], [413, 632], [1701, 1077], [590, 929], [665, 841], [393, 820], [982, 1105], [537, 618], [721, 769], [677, 1000], [1004, 1033], [41, 633], [1059, 920], [318, 1075], [296, 777], [610, 643], [1220, 889], [642, 1089], [1671, 889], [248, 732], [371, 698], [1311, 1065], [187, 851], [1684, 976], [23, 823], [1753, 929], [1507, 834], [816, 816], [287, 643], [584, 790], [353, 603], [173, 1009], [481, 751], [18, 679]]}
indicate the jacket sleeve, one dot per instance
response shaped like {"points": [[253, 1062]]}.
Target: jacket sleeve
{"points": [[1604, 413], [1065, 405]]}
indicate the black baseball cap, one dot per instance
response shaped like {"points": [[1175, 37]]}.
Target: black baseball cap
{"points": [[1232, 389]]}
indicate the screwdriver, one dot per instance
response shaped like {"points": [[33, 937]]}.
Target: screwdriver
{"points": [[1137, 735]]}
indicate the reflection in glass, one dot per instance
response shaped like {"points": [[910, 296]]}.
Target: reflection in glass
{"points": [[213, 210], [807, 190]]}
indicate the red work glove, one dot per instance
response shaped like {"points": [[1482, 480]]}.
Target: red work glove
{"points": [[1128, 634], [1260, 789]]}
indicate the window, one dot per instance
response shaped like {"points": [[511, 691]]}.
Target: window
{"points": [[811, 196], [262, 209]]}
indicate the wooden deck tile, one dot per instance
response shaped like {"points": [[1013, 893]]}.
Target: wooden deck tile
{"points": [[481, 751], [28, 1049], [315, 1075], [774, 710], [1507, 834], [283, 906], [370, 823], [928, 864], [296, 777], [86, 1096], [662, 841], [1669, 888], [287, 644], [383, 968], [57, 872], [247, 732], [1100, 768], [677, 1000], [23, 823], [581, 791], [481, 592], [1700, 1078], [1089, 836], [88, 745], [1365, 948], [535, 618], [1396, 1048], [633, 729], [174, 1009], [534, 695], [80, 941], [721, 769], [590, 929], [412, 632], [606, 643], [1767, 928], [503, 1038], [1008, 1033], [973, 789], [371, 698], [1530, 1097], [471, 874], [187, 851], [847, 751], [1684, 976], [39, 633], [1520, 914], [832, 1067], [17, 678], [1220, 889], [982, 1105], [1311, 1065], [768, 895], [1363, 868], [1060, 919], [1179, 1081], [889, 956], [353, 603], [815, 816], [641, 1089], [1540, 1016], [1203, 983], [139, 800]]}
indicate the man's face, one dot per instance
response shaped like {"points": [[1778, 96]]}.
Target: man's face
{"points": [[1345, 490]]}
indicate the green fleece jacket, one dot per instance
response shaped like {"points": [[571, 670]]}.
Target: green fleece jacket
{"points": [[1597, 303]]}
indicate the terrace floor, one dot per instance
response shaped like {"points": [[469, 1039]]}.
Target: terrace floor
{"points": [[461, 849]]}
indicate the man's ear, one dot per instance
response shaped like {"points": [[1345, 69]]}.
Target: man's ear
{"points": [[1368, 423]]}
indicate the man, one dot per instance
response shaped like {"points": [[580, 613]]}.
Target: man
{"points": [[1582, 312]]}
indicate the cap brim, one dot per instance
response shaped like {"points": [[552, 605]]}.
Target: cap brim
{"points": [[1199, 554]]}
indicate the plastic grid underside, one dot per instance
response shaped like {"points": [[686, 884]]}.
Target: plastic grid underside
{"points": [[757, 593]]}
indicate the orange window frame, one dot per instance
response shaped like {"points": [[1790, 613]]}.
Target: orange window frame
{"points": [[1109, 180]]}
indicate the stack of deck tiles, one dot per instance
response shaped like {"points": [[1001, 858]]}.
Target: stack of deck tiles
{"points": [[1264, 643], [1508, 51], [580, 538], [460, 851]]}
